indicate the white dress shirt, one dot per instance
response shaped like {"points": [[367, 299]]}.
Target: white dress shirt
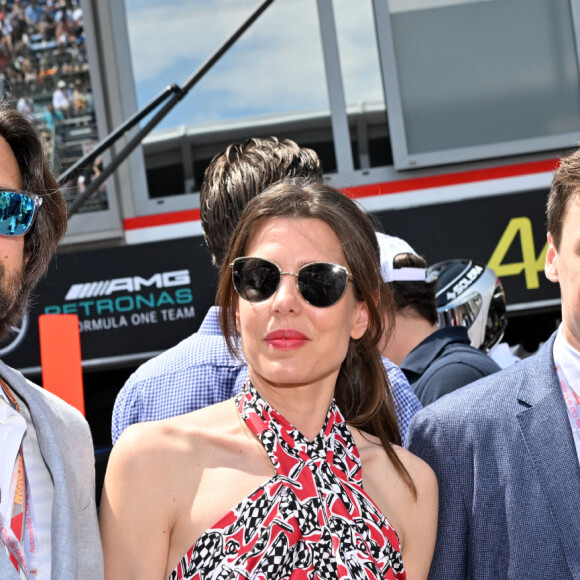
{"points": [[15, 429], [567, 358]]}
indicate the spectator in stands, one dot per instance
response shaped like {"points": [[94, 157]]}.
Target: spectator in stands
{"points": [[5, 50], [435, 360], [6, 25], [27, 70], [47, 24], [65, 26], [200, 371], [30, 57], [46, 71], [78, 56], [17, 22], [80, 98], [51, 117], [26, 105], [89, 174], [77, 18], [62, 58], [60, 99], [32, 15]]}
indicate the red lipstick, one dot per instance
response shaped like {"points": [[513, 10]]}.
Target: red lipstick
{"points": [[286, 339]]}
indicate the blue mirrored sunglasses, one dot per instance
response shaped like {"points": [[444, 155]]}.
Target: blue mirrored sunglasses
{"points": [[17, 211]]}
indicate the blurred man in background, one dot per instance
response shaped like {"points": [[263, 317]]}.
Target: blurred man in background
{"points": [[436, 361]]}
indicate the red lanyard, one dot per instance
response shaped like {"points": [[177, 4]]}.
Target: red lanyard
{"points": [[571, 398], [18, 508]]}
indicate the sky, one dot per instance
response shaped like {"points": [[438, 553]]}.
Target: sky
{"points": [[275, 68]]}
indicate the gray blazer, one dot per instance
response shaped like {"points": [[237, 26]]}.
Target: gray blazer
{"points": [[509, 476], [67, 448]]}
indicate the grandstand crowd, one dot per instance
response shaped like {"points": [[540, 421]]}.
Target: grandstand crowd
{"points": [[43, 60]]}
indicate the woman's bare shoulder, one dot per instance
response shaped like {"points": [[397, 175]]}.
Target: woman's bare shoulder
{"points": [[390, 490], [168, 439], [421, 473], [377, 464], [378, 470], [410, 509]]}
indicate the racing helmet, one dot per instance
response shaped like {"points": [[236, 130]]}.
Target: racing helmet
{"points": [[468, 293]]}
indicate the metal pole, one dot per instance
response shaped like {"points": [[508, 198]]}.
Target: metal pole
{"points": [[116, 134], [338, 116]]}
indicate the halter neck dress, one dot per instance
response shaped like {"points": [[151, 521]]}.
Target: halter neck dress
{"points": [[311, 521]]}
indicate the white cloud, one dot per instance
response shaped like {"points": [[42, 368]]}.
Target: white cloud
{"points": [[276, 66]]}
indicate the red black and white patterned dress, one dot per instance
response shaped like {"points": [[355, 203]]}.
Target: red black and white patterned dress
{"points": [[310, 521]]}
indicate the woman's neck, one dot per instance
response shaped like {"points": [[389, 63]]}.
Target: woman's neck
{"points": [[304, 406]]}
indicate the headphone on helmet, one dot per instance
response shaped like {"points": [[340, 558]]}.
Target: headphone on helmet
{"points": [[468, 293]]}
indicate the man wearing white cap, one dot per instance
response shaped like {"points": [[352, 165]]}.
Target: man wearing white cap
{"points": [[436, 361], [60, 99]]}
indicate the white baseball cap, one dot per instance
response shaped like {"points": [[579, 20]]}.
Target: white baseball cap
{"points": [[391, 247]]}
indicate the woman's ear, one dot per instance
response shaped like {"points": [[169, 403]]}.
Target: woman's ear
{"points": [[238, 325], [360, 321]]}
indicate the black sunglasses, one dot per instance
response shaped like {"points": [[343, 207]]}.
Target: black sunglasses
{"points": [[17, 211], [321, 284]]}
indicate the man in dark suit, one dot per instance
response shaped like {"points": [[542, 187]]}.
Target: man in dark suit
{"points": [[506, 448]]}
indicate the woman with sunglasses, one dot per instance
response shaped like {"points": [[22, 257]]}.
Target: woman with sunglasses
{"points": [[301, 475]]}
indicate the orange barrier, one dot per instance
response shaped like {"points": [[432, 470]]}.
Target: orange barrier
{"points": [[60, 357]]}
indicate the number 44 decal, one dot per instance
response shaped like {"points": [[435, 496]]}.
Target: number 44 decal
{"points": [[530, 264]]}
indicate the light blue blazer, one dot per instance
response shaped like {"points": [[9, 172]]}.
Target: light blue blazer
{"points": [[509, 476], [66, 446]]}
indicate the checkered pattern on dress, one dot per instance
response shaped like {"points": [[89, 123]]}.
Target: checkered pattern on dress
{"points": [[312, 520]]}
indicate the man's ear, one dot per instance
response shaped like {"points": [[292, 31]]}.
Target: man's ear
{"points": [[551, 266], [360, 321]]}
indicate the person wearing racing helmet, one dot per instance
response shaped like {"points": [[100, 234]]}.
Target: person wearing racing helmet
{"points": [[469, 293], [436, 361]]}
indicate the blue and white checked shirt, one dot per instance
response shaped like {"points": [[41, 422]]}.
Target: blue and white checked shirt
{"points": [[406, 402], [200, 371]]}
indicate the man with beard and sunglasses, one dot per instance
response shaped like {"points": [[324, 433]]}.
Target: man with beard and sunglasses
{"points": [[48, 520], [200, 371]]}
